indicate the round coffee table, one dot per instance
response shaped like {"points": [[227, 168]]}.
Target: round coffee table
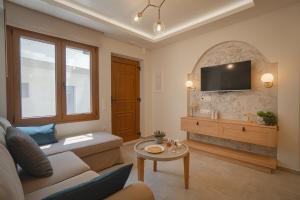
{"points": [[167, 155]]}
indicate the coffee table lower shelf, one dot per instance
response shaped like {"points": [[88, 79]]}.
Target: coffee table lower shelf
{"points": [[266, 162]]}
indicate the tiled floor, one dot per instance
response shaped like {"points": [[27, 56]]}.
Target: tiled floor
{"points": [[213, 178]]}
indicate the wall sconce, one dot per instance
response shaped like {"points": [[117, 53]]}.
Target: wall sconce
{"points": [[267, 79], [189, 84]]}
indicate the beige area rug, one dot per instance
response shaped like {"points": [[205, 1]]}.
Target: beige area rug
{"points": [[213, 178]]}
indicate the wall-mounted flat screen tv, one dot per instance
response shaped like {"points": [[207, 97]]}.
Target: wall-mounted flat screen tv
{"points": [[227, 77]]}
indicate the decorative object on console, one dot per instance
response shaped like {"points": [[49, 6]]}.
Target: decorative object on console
{"points": [[159, 135], [251, 117], [269, 118], [267, 79], [193, 107], [214, 114]]}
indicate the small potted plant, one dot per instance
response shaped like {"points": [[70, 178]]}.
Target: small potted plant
{"points": [[269, 118], [159, 135]]}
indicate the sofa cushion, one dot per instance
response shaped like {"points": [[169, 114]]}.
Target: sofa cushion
{"points": [[104, 160], [2, 136], [27, 153], [41, 134], [4, 123], [65, 165], [97, 188], [44, 192], [84, 145], [10, 185]]}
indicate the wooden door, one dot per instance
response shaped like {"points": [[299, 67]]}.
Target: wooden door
{"points": [[125, 98]]}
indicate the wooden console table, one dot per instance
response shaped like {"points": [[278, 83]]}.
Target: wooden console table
{"points": [[233, 130]]}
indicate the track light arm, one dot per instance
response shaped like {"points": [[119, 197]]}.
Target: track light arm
{"points": [[158, 26], [149, 4]]}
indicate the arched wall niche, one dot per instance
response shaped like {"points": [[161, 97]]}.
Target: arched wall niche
{"points": [[234, 105]]}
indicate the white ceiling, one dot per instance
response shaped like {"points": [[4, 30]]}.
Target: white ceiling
{"points": [[178, 15], [114, 17]]}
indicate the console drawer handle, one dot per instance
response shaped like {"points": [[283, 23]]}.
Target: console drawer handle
{"points": [[243, 129], [197, 123]]}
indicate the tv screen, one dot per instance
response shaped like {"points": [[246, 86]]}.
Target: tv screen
{"points": [[226, 77]]}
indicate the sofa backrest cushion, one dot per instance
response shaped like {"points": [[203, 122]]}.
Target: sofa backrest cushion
{"points": [[100, 187], [2, 136], [27, 153], [10, 184], [4, 123]]}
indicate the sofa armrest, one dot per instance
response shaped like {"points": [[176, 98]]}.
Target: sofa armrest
{"points": [[138, 191]]}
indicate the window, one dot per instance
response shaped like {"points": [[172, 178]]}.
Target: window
{"points": [[71, 99], [50, 79], [78, 76], [25, 90], [37, 66]]}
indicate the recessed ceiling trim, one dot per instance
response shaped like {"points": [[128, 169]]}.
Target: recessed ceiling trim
{"points": [[233, 8], [213, 16], [94, 15]]}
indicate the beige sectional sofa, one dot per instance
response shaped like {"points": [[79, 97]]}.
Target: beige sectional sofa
{"points": [[73, 160]]}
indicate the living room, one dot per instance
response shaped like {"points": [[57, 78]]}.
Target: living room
{"points": [[211, 155]]}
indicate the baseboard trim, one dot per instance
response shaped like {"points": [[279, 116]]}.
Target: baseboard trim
{"points": [[292, 171]]}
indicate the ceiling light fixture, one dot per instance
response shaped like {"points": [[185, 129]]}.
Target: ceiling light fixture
{"points": [[158, 26]]}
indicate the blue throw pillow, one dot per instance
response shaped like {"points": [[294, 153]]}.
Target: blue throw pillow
{"points": [[98, 188], [41, 134]]}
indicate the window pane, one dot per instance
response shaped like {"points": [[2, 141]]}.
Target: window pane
{"points": [[38, 94], [78, 81]]}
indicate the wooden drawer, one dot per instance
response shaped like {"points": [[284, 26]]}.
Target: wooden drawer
{"points": [[199, 126], [249, 134]]}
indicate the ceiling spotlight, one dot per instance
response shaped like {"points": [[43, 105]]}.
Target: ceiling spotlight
{"points": [[158, 26]]}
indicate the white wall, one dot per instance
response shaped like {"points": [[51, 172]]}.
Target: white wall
{"points": [[2, 63], [35, 21], [276, 35]]}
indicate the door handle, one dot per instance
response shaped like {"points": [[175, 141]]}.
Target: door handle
{"points": [[243, 129], [197, 123]]}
